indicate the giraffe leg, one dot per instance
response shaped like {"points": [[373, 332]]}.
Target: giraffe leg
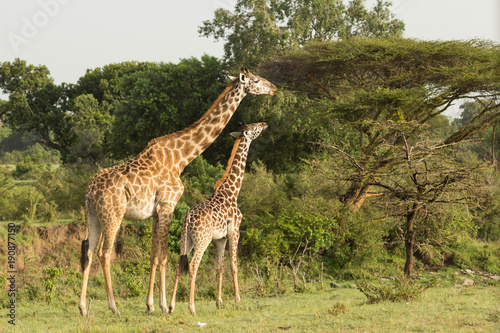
{"points": [[163, 241], [181, 265], [106, 248], [221, 245], [153, 262], [201, 246], [88, 247], [233, 247]]}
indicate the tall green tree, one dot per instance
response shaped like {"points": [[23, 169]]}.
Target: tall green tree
{"points": [[36, 104], [163, 99], [352, 86], [257, 29], [103, 83]]}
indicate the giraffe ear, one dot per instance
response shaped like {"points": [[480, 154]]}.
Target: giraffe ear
{"points": [[235, 134], [232, 78], [243, 77]]}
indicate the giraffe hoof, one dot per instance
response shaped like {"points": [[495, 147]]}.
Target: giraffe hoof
{"points": [[83, 311], [193, 312], [219, 304], [151, 308]]}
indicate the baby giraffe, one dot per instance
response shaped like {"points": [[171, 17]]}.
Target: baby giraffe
{"points": [[217, 219]]}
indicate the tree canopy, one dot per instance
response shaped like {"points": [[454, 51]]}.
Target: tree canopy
{"points": [[36, 104], [261, 28], [352, 86]]}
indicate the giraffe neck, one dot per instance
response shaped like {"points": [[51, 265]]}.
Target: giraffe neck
{"points": [[231, 185], [190, 142]]}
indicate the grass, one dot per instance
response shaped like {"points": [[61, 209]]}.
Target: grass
{"points": [[443, 309]]}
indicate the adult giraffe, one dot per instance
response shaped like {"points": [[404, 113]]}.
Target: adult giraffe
{"points": [[149, 185]]}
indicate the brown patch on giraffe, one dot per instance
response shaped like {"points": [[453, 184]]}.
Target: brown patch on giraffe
{"points": [[197, 136], [186, 148], [176, 155], [205, 143]]}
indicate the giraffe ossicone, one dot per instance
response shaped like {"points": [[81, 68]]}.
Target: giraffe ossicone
{"points": [[216, 219], [149, 185]]}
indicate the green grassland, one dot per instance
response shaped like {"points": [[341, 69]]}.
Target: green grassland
{"points": [[49, 281], [441, 309]]}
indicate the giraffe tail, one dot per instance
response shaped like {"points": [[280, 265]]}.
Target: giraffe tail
{"points": [[183, 259], [84, 260], [183, 263]]}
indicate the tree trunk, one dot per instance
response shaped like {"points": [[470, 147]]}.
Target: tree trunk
{"points": [[410, 239]]}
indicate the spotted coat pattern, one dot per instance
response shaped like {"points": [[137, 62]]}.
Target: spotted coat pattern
{"points": [[149, 185], [216, 219]]}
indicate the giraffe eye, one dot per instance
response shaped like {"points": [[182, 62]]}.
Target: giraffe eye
{"points": [[256, 80]]}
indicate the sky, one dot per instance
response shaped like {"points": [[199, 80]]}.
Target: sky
{"points": [[71, 36]]}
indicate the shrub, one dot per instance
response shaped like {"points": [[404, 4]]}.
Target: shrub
{"points": [[338, 309], [28, 168], [7, 203], [399, 290], [52, 275]]}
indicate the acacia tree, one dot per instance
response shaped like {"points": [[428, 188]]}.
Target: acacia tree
{"points": [[350, 86], [420, 189], [257, 29]]}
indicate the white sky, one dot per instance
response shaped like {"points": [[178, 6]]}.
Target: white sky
{"points": [[71, 36]]}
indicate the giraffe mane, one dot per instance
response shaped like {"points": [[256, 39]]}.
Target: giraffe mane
{"points": [[229, 163], [178, 133]]}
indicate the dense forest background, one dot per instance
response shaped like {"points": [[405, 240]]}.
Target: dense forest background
{"points": [[359, 169]]}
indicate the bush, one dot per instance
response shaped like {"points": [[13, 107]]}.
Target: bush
{"points": [[28, 169], [467, 253], [399, 290], [7, 203], [281, 213]]}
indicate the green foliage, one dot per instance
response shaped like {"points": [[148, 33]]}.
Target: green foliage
{"points": [[467, 253], [278, 234], [133, 275], [163, 99], [347, 87], [398, 290], [262, 28], [52, 275], [275, 225], [36, 105], [7, 204], [28, 169], [91, 123], [487, 219], [199, 179], [104, 84], [35, 153]]}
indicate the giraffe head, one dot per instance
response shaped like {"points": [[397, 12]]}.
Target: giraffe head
{"points": [[251, 131], [254, 84]]}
